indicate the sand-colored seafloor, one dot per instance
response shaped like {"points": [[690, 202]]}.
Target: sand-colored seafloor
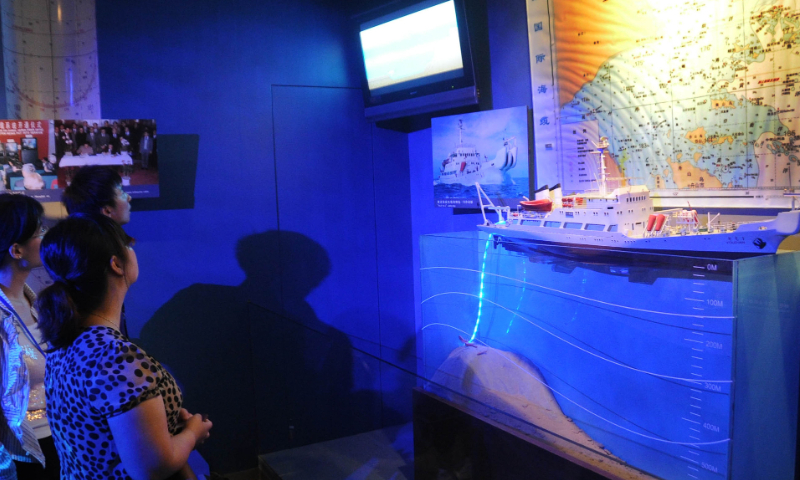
{"points": [[500, 381]]}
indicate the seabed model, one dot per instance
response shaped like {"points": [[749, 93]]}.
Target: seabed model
{"points": [[626, 220], [642, 365]]}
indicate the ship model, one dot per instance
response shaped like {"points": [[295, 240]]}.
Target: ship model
{"points": [[625, 219]]}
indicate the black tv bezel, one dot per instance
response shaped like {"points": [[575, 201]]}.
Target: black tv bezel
{"points": [[417, 91]]}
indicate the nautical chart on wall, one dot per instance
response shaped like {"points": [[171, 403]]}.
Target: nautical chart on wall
{"points": [[698, 98]]}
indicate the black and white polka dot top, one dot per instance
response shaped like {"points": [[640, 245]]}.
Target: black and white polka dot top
{"points": [[102, 374]]}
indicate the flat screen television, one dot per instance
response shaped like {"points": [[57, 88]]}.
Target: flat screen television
{"points": [[416, 58], [29, 152], [29, 143]]}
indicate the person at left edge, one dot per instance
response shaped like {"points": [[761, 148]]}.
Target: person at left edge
{"points": [[27, 450]]}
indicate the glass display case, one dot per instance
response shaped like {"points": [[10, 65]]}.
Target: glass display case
{"points": [[642, 365]]}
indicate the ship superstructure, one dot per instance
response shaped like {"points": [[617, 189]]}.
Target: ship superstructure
{"points": [[626, 219]]}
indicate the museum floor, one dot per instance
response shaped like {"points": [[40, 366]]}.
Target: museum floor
{"points": [[384, 454]]}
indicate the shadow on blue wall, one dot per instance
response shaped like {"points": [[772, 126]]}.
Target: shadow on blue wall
{"points": [[275, 156], [257, 359]]}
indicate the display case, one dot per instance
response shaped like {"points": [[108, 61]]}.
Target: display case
{"points": [[645, 366]]}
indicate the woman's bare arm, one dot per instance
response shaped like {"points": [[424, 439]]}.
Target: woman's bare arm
{"points": [[146, 448]]}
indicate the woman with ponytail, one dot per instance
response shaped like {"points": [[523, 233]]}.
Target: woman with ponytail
{"points": [[27, 447], [114, 411]]}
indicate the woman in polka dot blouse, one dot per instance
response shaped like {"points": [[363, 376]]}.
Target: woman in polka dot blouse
{"points": [[114, 411]]}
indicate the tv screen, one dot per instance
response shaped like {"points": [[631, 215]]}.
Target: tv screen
{"points": [[414, 51], [29, 143], [418, 48]]}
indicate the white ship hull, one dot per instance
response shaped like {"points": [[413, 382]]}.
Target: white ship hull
{"points": [[758, 238], [625, 219]]}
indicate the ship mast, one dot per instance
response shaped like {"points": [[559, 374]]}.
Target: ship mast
{"points": [[602, 174], [601, 147]]}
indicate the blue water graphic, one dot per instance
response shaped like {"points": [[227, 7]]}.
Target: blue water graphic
{"points": [[637, 351]]}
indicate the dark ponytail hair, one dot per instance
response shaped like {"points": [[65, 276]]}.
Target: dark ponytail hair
{"points": [[77, 254], [20, 217], [91, 189]]}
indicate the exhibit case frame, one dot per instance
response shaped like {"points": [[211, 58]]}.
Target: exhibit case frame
{"points": [[642, 365]]}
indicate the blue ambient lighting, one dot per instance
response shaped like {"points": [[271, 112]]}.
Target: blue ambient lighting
{"points": [[480, 294], [420, 45], [71, 89], [522, 295]]}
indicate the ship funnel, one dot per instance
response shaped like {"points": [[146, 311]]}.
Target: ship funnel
{"points": [[555, 195], [543, 192]]}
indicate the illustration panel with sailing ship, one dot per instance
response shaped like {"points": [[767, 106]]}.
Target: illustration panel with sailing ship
{"points": [[490, 148]]}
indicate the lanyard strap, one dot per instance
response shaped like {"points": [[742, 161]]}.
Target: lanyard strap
{"points": [[28, 333]]}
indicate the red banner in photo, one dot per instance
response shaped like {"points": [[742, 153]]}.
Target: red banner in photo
{"points": [[24, 138]]}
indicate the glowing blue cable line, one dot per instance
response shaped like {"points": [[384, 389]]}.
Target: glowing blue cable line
{"points": [[480, 295], [582, 297], [694, 444], [691, 380]]}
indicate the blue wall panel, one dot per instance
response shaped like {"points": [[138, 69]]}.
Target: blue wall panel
{"points": [[395, 272], [393, 216], [328, 194], [214, 69], [325, 191], [208, 68], [508, 47]]}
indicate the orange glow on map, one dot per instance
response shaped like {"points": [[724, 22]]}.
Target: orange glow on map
{"points": [[589, 33]]}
